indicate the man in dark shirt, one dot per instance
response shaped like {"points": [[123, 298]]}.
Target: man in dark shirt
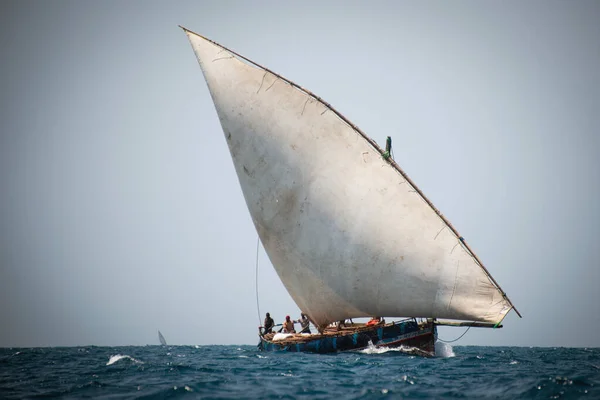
{"points": [[268, 324]]}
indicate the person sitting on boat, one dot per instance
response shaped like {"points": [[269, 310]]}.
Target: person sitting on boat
{"points": [[374, 321], [288, 325], [268, 324], [304, 323]]}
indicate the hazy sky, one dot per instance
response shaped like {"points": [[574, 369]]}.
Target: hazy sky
{"points": [[120, 211]]}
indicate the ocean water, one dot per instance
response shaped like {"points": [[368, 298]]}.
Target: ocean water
{"points": [[227, 372]]}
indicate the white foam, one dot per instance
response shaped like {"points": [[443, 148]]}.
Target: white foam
{"points": [[376, 350], [444, 350], [117, 357], [372, 349]]}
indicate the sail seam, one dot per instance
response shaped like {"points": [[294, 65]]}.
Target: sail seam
{"points": [[261, 82], [453, 247], [304, 107], [455, 280], [222, 58], [376, 147], [438, 234], [271, 85]]}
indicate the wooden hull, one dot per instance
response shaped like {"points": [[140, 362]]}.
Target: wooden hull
{"points": [[416, 338]]}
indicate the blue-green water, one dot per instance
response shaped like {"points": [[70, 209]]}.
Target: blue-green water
{"points": [[244, 372]]}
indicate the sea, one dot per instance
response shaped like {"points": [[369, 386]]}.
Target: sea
{"points": [[244, 372]]}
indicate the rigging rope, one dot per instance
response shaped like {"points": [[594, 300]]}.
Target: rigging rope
{"points": [[256, 273], [458, 338]]}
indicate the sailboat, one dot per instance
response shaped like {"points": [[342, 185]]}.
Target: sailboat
{"points": [[161, 338], [349, 234]]}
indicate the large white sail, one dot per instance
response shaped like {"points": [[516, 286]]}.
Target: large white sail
{"points": [[347, 234]]}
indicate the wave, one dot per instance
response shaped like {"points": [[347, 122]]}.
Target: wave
{"points": [[117, 357], [218, 371]]}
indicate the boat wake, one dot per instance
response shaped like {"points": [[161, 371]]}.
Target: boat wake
{"points": [[444, 350], [115, 358], [372, 349]]}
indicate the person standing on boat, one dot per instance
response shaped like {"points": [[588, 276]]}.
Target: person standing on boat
{"points": [[288, 325], [304, 323], [268, 325]]}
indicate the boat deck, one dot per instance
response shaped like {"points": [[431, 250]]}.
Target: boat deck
{"points": [[330, 332]]}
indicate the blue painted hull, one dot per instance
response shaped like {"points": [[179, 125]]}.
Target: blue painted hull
{"points": [[404, 333]]}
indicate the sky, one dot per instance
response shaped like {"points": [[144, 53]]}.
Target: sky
{"points": [[120, 210]]}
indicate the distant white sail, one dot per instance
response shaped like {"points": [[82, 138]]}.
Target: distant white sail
{"points": [[347, 234], [162, 339]]}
